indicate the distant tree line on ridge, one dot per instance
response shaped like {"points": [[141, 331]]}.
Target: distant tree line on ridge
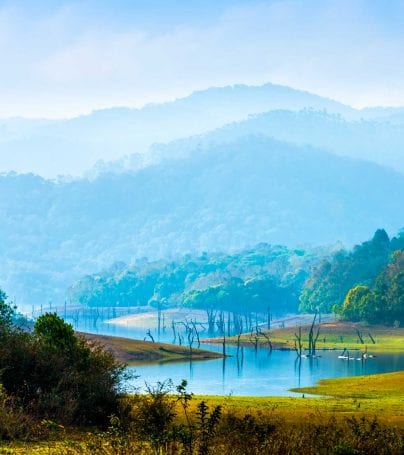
{"points": [[364, 284]]}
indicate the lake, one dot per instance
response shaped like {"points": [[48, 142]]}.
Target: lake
{"points": [[261, 373], [258, 373]]}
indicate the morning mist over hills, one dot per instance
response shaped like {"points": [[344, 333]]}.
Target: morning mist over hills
{"points": [[261, 164], [73, 146]]}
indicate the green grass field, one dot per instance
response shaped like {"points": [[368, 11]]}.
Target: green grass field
{"points": [[333, 335], [380, 396]]}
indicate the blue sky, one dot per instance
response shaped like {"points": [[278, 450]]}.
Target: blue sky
{"points": [[62, 58]]}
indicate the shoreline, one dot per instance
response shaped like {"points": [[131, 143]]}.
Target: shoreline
{"points": [[133, 352]]}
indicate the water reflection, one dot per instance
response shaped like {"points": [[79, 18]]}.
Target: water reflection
{"points": [[256, 372], [249, 370]]}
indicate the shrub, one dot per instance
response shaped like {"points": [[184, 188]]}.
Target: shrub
{"points": [[56, 375]]}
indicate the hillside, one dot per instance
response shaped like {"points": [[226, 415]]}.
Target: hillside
{"points": [[378, 141], [70, 147], [221, 197], [242, 282]]}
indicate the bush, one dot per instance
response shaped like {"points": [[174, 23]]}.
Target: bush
{"points": [[54, 374]]}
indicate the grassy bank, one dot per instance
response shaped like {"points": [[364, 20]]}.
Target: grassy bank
{"points": [[133, 352], [340, 421], [332, 335], [380, 396]]}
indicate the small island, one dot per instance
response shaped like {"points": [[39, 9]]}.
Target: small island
{"points": [[132, 352]]}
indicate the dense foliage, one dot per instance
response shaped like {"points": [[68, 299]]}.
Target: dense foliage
{"points": [[206, 197], [249, 280], [365, 284], [52, 373], [383, 301]]}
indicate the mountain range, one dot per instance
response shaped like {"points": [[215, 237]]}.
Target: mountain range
{"points": [[218, 197], [72, 146]]}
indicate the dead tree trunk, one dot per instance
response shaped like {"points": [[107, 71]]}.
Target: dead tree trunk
{"points": [[268, 338], [360, 336], [373, 340], [196, 333], [174, 331], [254, 340], [238, 344], [269, 317], [148, 333], [311, 337], [298, 342], [228, 324], [211, 319]]}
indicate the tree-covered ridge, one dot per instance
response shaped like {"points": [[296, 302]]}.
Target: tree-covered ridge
{"points": [[223, 196], [364, 284], [253, 279]]}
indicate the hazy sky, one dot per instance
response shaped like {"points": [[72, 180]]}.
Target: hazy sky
{"points": [[62, 58]]}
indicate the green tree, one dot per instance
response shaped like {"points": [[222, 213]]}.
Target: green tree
{"points": [[55, 333], [57, 375], [330, 282], [390, 288], [6, 311], [359, 305]]}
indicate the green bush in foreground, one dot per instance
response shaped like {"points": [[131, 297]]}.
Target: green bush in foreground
{"points": [[54, 374]]}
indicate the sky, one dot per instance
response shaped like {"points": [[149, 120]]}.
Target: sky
{"points": [[61, 58]]}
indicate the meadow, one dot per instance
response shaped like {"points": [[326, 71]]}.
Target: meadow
{"points": [[332, 335], [358, 415]]}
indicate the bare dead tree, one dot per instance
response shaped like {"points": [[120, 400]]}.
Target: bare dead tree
{"points": [[269, 317], [298, 342], [221, 323], [238, 343], [254, 340], [268, 338], [190, 336], [256, 322], [237, 323], [313, 338], [95, 316], [148, 333], [360, 336], [174, 331], [211, 314], [195, 329], [373, 340]]}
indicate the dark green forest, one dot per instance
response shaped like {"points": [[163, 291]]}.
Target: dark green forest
{"points": [[365, 284]]}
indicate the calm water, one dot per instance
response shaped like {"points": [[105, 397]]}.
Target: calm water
{"points": [[260, 373], [256, 373]]}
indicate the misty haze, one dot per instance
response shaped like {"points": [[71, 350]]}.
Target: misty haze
{"points": [[202, 227]]}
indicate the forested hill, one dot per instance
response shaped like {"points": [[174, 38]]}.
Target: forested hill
{"points": [[248, 280], [381, 142], [218, 197], [71, 146], [365, 284]]}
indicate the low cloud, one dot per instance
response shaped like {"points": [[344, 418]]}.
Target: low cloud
{"points": [[66, 61]]}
